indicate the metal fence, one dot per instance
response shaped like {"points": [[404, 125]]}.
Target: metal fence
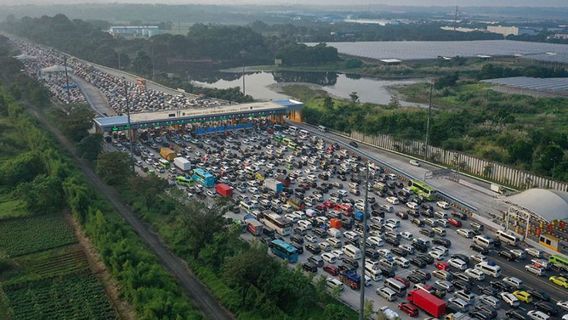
{"points": [[489, 170]]}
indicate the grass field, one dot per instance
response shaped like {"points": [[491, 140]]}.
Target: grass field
{"points": [[11, 207], [33, 234]]}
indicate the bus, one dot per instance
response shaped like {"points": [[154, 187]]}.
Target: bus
{"points": [[203, 177], [276, 222], [284, 250], [558, 261], [184, 181], [164, 163], [422, 189], [507, 237]]}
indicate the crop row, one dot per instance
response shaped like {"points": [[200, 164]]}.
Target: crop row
{"points": [[74, 297], [33, 234]]}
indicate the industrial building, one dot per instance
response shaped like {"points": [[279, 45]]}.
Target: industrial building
{"points": [[134, 31]]}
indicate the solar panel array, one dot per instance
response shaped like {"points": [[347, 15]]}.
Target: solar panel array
{"points": [[552, 85], [420, 50]]}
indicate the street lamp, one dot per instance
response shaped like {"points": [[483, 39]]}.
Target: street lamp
{"points": [[130, 131], [428, 122]]}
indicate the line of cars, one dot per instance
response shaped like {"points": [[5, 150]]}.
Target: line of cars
{"points": [[325, 224]]}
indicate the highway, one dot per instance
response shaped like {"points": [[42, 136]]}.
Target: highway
{"points": [[94, 97]]}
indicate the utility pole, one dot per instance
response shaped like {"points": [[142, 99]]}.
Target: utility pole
{"points": [[67, 79], [130, 131], [364, 246], [244, 88], [456, 18], [428, 122], [153, 64]]}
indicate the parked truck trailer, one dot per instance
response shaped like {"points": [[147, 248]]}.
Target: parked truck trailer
{"points": [[428, 302], [182, 163]]}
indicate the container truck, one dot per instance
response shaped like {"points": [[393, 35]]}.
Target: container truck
{"points": [[274, 185], [224, 190], [254, 227], [428, 302], [167, 154], [182, 163]]}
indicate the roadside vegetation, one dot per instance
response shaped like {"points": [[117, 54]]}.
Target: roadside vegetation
{"points": [[43, 272], [525, 132]]}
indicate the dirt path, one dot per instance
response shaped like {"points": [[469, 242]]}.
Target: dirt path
{"points": [[195, 290]]}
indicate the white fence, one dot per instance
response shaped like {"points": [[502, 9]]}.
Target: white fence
{"points": [[482, 168]]}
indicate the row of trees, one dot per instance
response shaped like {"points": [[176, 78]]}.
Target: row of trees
{"points": [[491, 71], [45, 180], [489, 125]]}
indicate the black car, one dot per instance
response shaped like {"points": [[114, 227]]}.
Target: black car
{"points": [[310, 267], [459, 215], [488, 290], [313, 248], [479, 315], [539, 295], [299, 247], [546, 307], [402, 215], [478, 248], [414, 213], [354, 144], [426, 257], [422, 273], [399, 252], [297, 239], [268, 232], [427, 232], [372, 254], [501, 286], [418, 262], [462, 285], [507, 255], [320, 233], [386, 272], [417, 222], [420, 246], [414, 278], [393, 241], [442, 242], [486, 310], [513, 314]]}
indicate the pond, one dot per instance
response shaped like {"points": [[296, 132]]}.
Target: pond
{"points": [[268, 85]]}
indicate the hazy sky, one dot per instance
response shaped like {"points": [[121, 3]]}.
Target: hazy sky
{"points": [[535, 3]]}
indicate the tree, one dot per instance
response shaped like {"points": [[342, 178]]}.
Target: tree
{"points": [[520, 151], [77, 122], [142, 64], [328, 103], [90, 146], [335, 312], [199, 224], [549, 157], [368, 309], [394, 101], [446, 81], [113, 167], [354, 97], [43, 195]]}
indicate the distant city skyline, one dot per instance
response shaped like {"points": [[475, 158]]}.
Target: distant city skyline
{"points": [[464, 3]]}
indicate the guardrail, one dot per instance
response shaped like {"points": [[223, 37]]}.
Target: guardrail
{"points": [[403, 173]]}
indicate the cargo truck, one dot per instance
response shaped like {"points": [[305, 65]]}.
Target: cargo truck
{"points": [[274, 185], [224, 190], [167, 154], [254, 227], [182, 163], [428, 302], [351, 278]]}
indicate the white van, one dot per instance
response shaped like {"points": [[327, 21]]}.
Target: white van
{"points": [[352, 252], [350, 235], [534, 252], [414, 163], [490, 301], [534, 270], [488, 268], [335, 233], [538, 315], [483, 241], [332, 283], [512, 281], [396, 285], [475, 274], [441, 215], [387, 293], [393, 200], [467, 297], [465, 233], [510, 299], [334, 242], [374, 274]]}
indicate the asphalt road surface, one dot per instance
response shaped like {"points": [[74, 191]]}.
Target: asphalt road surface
{"points": [[94, 97], [195, 290]]}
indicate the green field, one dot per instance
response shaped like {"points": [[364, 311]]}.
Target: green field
{"points": [[29, 235], [11, 207], [71, 297]]}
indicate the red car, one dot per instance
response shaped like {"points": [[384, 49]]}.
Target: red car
{"points": [[441, 265], [403, 280], [331, 269], [454, 222], [409, 309]]}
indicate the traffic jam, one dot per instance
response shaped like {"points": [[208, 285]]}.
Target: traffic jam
{"points": [[303, 196]]}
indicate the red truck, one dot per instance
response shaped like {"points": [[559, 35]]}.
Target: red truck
{"points": [[224, 189], [428, 302]]}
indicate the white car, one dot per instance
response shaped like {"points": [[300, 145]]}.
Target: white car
{"points": [[534, 252], [510, 299], [513, 281], [475, 274], [534, 269], [406, 235], [338, 253], [478, 258], [329, 257], [311, 238], [412, 205], [520, 254], [385, 253], [443, 250], [393, 200], [376, 241], [537, 315], [563, 305], [436, 254], [466, 233], [443, 204], [457, 263]]}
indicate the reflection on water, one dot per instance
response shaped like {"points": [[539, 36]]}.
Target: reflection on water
{"points": [[264, 85]]}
